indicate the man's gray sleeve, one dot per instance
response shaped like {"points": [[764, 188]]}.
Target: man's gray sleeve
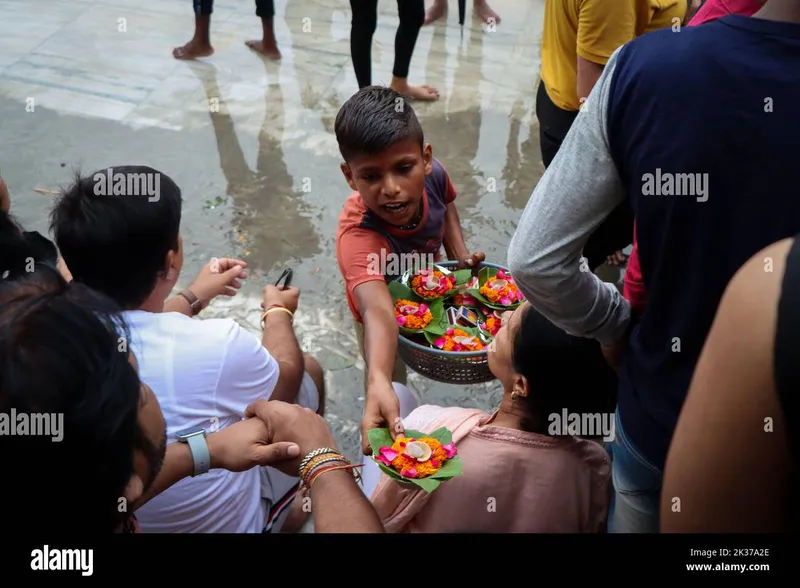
{"points": [[577, 192]]}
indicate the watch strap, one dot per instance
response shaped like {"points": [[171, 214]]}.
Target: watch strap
{"points": [[191, 298], [200, 454]]}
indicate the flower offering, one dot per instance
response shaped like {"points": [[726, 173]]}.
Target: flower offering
{"points": [[501, 289], [459, 340], [431, 283], [424, 460], [412, 315], [492, 321], [416, 458]]}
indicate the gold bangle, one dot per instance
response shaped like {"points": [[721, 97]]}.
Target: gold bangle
{"points": [[272, 309]]}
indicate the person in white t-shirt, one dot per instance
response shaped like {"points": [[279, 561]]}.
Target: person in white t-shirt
{"points": [[119, 233]]}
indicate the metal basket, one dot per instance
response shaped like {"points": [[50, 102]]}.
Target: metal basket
{"points": [[448, 367]]}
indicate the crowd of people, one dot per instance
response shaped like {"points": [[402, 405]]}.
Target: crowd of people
{"points": [[221, 431]]}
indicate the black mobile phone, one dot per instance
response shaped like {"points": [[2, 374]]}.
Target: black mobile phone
{"points": [[285, 278]]}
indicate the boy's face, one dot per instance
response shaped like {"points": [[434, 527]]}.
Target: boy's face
{"points": [[391, 182]]}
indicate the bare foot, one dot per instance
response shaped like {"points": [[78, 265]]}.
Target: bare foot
{"points": [[192, 50], [485, 13], [422, 93], [270, 51], [435, 12]]}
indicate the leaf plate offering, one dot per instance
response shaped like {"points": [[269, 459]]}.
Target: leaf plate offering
{"points": [[424, 460]]}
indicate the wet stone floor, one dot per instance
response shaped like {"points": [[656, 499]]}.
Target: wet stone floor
{"points": [[91, 84]]}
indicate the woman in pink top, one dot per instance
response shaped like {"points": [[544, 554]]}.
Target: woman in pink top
{"points": [[520, 474]]}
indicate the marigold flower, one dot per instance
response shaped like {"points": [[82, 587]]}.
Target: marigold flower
{"points": [[416, 458], [458, 340], [412, 315], [432, 284], [501, 289]]}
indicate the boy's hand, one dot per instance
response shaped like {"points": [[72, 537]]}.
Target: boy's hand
{"points": [[381, 410], [472, 260]]}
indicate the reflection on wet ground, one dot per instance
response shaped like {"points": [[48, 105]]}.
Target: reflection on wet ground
{"points": [[250, 142]]}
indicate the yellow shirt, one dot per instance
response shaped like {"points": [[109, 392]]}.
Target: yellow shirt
{"points": [[594, 29]]}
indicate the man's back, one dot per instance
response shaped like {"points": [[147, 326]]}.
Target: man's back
{"points": [[204, 373], [701, 127]]}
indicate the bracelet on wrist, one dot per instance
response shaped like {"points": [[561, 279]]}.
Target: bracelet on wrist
{"points": [[319, 461], [275, 309]]}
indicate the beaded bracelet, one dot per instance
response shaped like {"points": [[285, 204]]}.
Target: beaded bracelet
{"points": [[314, 454], [325, 458], [350, 467]]}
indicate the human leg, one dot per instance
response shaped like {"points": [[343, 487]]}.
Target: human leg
{"points": [[412, 16], [267, 45], [437, 11], [637, 488], [200, 45], [484, 12], [554, 124], [614, 234], [363, 25]]}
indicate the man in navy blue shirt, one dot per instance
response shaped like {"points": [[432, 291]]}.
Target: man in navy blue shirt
{"points": [[696, 129]]}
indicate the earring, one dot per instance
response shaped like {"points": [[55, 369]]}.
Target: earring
{"points": [[514, 395]]}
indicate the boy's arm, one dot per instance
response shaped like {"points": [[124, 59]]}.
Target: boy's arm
{"points": [[381, 408], [453, 240]]}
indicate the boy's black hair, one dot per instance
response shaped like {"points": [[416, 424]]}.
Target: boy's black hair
{"points": [[563, 371], [373, 119], [60, 353], [117, 244]]}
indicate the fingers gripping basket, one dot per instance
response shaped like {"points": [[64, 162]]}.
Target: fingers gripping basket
{"points": [[448, 367]]}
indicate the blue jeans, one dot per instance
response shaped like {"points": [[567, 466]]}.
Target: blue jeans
{"points": [[637, 488]]}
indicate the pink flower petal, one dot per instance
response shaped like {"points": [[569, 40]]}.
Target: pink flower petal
{"points": [[485, 310], [520, 295], [401, 320], [440, 342], [434, 463], [470, 301], [423, 308], [409, 473], [388, 453], [501, 275], [450, 332], [383, 460], [451, 450], [505, 301]]}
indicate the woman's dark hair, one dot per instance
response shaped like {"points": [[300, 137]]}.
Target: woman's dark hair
{"points": [[114, 237], [61, 353], [372, 120], [563, 371], [13, 248]]}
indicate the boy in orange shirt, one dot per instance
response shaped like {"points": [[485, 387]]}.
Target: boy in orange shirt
{"points": [[402, 207]]}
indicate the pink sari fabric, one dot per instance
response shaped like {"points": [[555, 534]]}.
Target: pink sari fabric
{"points": [[513, 482]]}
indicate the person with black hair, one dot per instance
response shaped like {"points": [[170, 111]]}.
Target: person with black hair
{"points": [[119, 232], [63, 364], [22, 250], [526, 469], [402, 207], [364, 23]]}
